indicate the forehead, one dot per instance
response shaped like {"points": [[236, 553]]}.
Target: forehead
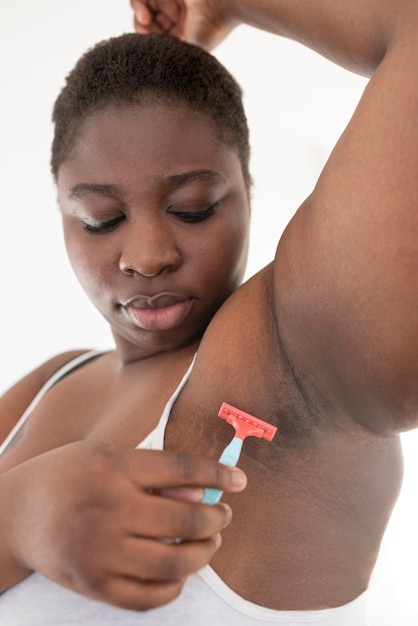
{"points": [[147, 142]]}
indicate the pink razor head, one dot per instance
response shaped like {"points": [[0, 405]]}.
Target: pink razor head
{"points": [[246, 425]]}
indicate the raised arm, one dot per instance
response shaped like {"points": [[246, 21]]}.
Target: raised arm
{"points": [[346, 269], [346, 276], [352, 34]]}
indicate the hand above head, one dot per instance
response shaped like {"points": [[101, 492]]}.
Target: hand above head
{"points": [[93, 518], [202, 22]]}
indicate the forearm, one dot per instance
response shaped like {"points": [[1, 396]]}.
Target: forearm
{"points": [[353, 33]]}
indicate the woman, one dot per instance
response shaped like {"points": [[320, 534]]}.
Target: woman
{"points": [[325, 351]]}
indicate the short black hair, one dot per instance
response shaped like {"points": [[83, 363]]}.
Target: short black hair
{"points": [[131, 68]]}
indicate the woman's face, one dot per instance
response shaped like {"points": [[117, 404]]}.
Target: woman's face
{"points": [[156, 218]]}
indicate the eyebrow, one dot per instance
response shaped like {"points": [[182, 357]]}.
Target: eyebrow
{"points": [[171, 182], [82, 189], [179, 180]]}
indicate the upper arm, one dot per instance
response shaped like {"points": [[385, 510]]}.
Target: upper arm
{"points": [[15, 401], [347, 265]]}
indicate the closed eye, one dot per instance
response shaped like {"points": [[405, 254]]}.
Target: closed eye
{"points": [[193, 217], [103, 227]]}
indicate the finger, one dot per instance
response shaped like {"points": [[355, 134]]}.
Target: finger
{"points": [[184, 494], [164, 22], [162, 16], [143, 15], [172, 9], [137, 595], [157, 517], [146, 30], [176, 31], [145, 21], [160, 469], [142, 558]]}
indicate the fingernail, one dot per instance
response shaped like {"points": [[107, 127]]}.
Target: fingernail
{"points": [[237, 478]]}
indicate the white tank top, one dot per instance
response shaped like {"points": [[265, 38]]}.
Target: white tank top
{"points": [[205, 600]]}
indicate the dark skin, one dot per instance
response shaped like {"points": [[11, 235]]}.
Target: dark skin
{"points": [[164, 244], [326, 351], [329, 550]]}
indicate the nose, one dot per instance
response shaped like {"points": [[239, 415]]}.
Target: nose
{"points": [[148, 249]]}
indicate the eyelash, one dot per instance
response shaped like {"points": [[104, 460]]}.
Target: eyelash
{"points": [[193, 217], [103, 227], [190, 217]]}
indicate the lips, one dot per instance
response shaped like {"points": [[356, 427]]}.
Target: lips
{"points": [[160, 312]]}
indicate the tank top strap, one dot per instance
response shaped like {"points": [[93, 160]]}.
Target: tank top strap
{"points": [[72, 365], [155, 439]]}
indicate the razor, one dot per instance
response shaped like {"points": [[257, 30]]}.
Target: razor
{"points": [[245, 425]]}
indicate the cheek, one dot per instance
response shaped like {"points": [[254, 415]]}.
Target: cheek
{"points": [[222, 258], [88, 265]]}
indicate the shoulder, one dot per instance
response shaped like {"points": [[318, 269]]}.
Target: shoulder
{"points": [[16, 399]]}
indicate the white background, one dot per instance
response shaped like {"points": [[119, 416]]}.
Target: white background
{"points": [[297, 105]]}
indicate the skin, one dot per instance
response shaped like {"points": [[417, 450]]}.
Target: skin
{"points": [[154, 250], [337, 341], [159, 249]]}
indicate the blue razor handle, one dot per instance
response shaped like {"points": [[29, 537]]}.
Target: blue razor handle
{"points": [[229, 457]]}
